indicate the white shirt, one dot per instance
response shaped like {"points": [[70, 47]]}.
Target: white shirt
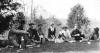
{"points": [[66, 33], [52, 28]]}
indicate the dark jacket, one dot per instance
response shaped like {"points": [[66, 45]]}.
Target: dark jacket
{"points": [[50, 32], [74, 32], [33, 34]]}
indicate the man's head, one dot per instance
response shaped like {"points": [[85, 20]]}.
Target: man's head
{"points": [[52, 25], [32, 25], [65, 28]]}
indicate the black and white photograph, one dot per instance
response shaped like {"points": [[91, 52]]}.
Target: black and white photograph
{"points": [[49, 26]]}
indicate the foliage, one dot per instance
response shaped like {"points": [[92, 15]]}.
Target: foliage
{"points": [[20, 20], [8, 12], [40, 21], [77, 17], [54, 20]]}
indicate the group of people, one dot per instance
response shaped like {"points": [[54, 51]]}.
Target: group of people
{"points": [[76, 35], [21, 38], [35, 38]]}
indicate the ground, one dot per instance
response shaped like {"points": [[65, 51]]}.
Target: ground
{"points": [[77, 47]]}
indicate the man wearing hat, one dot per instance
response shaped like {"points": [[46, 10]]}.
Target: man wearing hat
{"points": [[34, 37]]}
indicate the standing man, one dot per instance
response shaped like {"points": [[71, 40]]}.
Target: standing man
{"points": [[51, 32]]}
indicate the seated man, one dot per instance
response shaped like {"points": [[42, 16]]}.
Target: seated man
{"points": [[41, 34], [76, 34], [34, 37], [15, 37]]}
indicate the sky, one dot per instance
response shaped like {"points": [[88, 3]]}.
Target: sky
{"points": [[61, 8]]}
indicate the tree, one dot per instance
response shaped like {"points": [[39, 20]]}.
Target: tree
{"points": [[54, 20], [20, 20], [77, 17], [8, 12], [33, 15], [40, 20]]}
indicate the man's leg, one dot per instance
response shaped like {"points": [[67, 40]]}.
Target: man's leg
{"points": [[78, 38], [19, 40], [37, 41], [82, 35]]}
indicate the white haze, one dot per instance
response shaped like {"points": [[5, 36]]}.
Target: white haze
{"points": [[61, 8]]}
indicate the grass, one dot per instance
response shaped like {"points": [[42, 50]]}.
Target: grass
{"points": [[60, 47]]}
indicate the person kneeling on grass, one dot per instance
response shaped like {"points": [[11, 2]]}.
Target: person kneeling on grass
{"points": [[34, 37]]}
